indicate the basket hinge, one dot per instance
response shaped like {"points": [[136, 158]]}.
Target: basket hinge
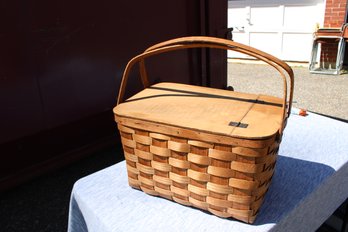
{"points": [[238, 124]]}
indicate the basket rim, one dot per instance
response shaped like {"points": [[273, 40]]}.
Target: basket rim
{"points": [[200, 135]]}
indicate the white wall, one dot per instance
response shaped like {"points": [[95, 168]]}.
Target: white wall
{"points": [[282, 28]]}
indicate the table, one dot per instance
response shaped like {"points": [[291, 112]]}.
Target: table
{"points": [[310, 182]]}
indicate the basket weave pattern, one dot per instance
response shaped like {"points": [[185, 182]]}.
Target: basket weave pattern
{"points": [[196, 151], [224, 179]]}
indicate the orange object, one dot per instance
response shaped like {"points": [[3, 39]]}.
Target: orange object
{"points": [[303, 112]]}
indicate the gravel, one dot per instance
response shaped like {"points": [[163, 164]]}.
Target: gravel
{"points": [[324, 94]]}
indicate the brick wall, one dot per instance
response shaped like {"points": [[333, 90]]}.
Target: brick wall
{"points": [[328, 54], [335, 13]]}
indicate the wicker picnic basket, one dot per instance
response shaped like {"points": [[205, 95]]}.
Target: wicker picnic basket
{"points": [[208, 148]]}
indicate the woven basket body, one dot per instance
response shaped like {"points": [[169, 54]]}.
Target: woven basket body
{"points": [[211, 149]]}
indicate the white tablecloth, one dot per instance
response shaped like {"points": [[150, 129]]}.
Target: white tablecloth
{"points": [[310, 182]]}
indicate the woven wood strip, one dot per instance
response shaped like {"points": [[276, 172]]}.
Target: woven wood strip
{"points": [[132, 169], [179, 147], [221, 155], [268, 159], [145, 180], [219, 188], [219, 213], [199, 176], [240, 212], [245, 200], [257, 204], [161, 166], [199, 204], [159, 136], [134, 183], [198, 159], [221, 172], [252, 152], [164, 192], [181, 201], [148, 190], [274, 147], [264, 176], [162, 180], [183, 164], [128, 142], [245, 167], [145, 169], [143, 154], [219, 202], [125, 129], [178, 178], [142, 139], [269, 166], [261, 190], [200, 144], [242, 184], [160, 151], [197, 190], [131, 157], [180, 191]]}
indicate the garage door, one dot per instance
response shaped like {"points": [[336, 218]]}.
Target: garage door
{"points": [[282, 28]]}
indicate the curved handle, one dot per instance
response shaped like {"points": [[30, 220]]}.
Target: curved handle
{"points": [[211, 42]]}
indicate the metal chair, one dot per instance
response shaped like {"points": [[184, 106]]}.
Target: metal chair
{"points": [[323, 63]]}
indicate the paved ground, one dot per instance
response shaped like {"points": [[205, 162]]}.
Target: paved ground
{"points": [[325, 94]]}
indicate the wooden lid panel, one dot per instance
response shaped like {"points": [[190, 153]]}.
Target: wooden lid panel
{"points": [[205, 109]]}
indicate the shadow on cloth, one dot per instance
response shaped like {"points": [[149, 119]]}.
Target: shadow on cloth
{"points": [[293, 180]]}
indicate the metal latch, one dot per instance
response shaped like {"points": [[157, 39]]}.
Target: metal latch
{"points": [[238, 124]]}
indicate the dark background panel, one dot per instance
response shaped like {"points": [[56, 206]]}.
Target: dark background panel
{"points": [[61, 64], [65, 58]]}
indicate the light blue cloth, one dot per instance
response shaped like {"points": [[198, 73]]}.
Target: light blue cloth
{"points": [[310, 182]]}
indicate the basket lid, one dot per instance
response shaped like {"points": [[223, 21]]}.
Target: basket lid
{"points": [[206, 109]]}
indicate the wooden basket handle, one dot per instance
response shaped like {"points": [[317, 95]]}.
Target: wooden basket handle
{"points": [[211, 42]]}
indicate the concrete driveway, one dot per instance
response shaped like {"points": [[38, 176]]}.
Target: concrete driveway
{"points": [[324, 94]]}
